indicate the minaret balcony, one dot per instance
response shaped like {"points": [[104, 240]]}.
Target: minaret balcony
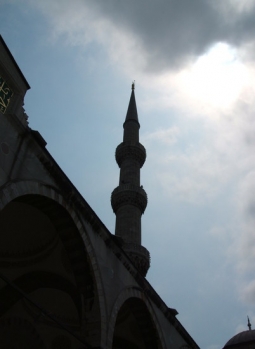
{"points": [[129, 194], [126, 150], [139, 255]]}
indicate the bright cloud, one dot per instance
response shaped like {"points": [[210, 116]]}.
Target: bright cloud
{"points": [[86, 26], [217, 78], [164, 136]]}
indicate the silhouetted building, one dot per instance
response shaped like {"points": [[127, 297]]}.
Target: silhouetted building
{"points": [[242, 340], [65, 281]]}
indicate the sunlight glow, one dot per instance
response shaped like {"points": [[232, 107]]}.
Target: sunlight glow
{"points": [[217, 78]]}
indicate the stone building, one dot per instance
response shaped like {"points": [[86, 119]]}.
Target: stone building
{"points": [[66, 281]]}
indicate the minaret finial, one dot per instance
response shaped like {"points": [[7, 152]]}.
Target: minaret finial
{"points": [[249, 324], [133, 85]]}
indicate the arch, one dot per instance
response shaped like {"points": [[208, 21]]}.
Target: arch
{"points": [[70, 238], [31, 282], [132, 311], [74, 238]]}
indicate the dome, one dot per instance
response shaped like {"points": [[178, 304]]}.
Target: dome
{"points": [[242, 339]]}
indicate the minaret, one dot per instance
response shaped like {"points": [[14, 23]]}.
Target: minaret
{"points": [[249, 324], [129, 199]]}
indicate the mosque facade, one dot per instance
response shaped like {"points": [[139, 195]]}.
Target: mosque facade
{"points": [[65, 280]]}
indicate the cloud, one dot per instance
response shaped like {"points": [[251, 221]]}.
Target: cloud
{"points": [[201, 164], [172, 48], [81, 24], [158, 37], [171, 33], [168, 31], [245, 243], [164, 136], [248, 292]]}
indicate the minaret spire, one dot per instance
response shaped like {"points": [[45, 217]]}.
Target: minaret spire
{"points": [[132, 110], [249, 324], [129, 199]]}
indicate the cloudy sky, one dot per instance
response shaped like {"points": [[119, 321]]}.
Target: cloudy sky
{"points": [[193, 63]]}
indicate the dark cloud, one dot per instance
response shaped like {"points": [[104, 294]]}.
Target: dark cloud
{"points": [[174, 31]]}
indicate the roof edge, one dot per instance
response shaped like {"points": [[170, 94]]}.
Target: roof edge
{"points": [[14, 62]]}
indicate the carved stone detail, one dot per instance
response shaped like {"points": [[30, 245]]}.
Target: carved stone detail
{"points": [[139, 255], [126, 150], [129, 194]]}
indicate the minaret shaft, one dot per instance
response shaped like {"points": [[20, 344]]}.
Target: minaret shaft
{"points": [[130, 172], [128, 224], [131, 132]]}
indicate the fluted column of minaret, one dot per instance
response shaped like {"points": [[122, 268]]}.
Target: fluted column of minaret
{"points": [[129, 199]]}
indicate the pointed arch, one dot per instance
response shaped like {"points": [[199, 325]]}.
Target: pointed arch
{"points": [[74, 238], [133, 322]]}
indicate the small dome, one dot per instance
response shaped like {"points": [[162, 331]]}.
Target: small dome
{"points": [[242, 339]]}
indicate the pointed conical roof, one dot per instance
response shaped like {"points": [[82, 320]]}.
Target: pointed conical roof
{"points": [[132, 111]]}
